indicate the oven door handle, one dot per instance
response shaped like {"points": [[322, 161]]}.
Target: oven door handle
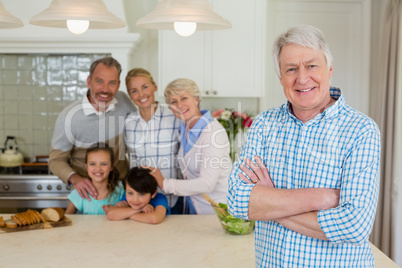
{"points": [[33, 198]]}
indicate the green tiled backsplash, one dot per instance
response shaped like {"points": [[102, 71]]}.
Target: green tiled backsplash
{"points": [[34, 88]]}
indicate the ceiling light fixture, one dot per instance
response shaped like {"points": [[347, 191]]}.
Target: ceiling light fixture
{"points": [[77, 16], [184, 16], [7, 20]]}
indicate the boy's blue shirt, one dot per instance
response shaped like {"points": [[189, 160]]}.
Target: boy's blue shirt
{"points": [[158, 200]]}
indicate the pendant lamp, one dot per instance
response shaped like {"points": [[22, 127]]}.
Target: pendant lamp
{"points": [[7, 20], [77, 16], [184, 16]]}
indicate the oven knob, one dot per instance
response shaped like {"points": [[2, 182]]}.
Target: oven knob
{"points": [[68, 187], [6, 187], [59, 187], [39, 187], [49, 187]]}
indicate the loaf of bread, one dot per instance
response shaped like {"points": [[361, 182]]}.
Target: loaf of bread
{"points": [[28, 217], [31, 217], [53, 214]]}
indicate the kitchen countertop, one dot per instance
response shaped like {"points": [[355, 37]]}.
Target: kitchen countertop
{"points": [[93, 241]]}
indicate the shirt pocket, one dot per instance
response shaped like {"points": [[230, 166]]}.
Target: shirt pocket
{"points": [[324, 169]]}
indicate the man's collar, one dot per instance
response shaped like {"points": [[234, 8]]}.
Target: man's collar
{"points": [[329, 112], [90, 109]]}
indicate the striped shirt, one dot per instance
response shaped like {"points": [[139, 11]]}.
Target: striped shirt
{"points": [[154, 143], [339, 148]]}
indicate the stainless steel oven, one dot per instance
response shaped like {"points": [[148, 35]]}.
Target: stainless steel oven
{"points": [[20, 191]]}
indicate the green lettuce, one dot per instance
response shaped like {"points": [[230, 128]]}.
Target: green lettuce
{"points": [[232, 224]]}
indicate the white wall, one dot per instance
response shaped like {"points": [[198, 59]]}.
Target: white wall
{"points": [[146, 53], [346, 27]]}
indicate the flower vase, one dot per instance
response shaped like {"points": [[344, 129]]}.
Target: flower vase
{"points": [[232, 139]]}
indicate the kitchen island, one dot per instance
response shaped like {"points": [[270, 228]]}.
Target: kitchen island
{"points": [[93, 241]]}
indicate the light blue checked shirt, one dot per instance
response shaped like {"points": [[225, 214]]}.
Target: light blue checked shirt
{"points": [[339, 148], [155, 143]]}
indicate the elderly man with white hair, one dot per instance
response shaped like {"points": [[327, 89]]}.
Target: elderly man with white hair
{"points": [[309, 170]]}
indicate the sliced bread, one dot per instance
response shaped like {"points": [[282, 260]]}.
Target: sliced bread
{"points": [[10, 223]]}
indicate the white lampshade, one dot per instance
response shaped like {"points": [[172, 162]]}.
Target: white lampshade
{"points": [[7, 20], [93, 11], [167, 12]]}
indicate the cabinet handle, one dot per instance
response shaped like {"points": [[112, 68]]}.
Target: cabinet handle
{"points": [[215, 92], [206, 92]]}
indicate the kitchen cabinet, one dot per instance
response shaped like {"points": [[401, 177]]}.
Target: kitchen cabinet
{"points": [[223, 63]]}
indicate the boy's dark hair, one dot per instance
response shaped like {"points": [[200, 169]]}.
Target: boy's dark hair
{"points": [[141, 180], [113, 179]]}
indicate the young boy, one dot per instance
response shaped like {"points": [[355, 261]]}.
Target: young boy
{"points": [[143, 203]]}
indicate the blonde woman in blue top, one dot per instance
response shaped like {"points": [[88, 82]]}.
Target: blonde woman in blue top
{"points": [[152, 132], [99, 161]]}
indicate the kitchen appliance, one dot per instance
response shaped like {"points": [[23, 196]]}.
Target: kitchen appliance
{"points": [[11, 157], [31, 186]]}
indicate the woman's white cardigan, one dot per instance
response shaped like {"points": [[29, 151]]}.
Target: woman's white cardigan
{"points": [[205, 168]]}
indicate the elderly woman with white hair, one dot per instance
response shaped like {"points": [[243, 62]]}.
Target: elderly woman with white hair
{"points": [[204, 151]]}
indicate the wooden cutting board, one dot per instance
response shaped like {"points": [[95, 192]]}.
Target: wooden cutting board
{"points": [[43, 225]]}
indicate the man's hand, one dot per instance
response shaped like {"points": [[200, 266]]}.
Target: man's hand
{"points": [[258, 174], [84, 186]]}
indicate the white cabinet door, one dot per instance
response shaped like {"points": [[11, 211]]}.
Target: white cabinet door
{"points": [[181, 57], [224, 63], [238, 53]]}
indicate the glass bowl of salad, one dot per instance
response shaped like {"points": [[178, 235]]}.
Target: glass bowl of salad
{"points": [[231, 224]]}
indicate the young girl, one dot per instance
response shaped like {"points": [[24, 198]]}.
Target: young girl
{"points": [[98, 162], [143, 203]]}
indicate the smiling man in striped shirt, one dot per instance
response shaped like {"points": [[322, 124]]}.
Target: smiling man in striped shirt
{"points": [[308, 172]]}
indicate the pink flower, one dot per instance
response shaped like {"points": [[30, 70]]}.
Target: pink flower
{"points": [[236, 114], [217, 113]]}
